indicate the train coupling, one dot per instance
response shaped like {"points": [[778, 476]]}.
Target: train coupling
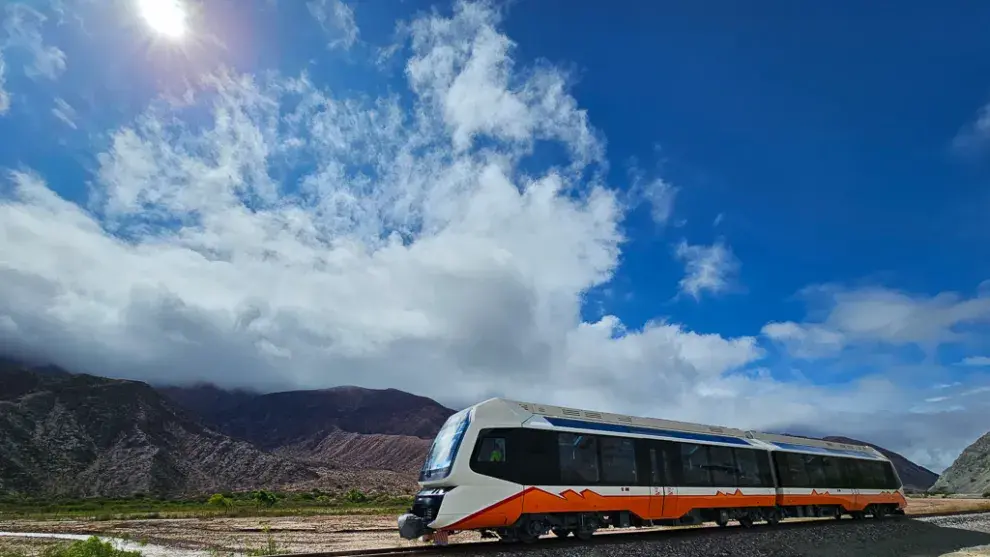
{"points": [[411, 526]]}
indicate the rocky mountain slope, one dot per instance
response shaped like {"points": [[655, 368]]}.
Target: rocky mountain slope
{"points": [[913, 476], [84, 435], [970, 473], [342, 449], [287, 418]]}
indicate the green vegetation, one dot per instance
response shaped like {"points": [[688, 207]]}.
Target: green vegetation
{"points": [[237, 504], [986, 494], [91, 547]]}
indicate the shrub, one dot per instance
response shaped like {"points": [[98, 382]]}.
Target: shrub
{"points": [[220, 501], [264, 498], [92, 547], [355, 496], [986, 494]]}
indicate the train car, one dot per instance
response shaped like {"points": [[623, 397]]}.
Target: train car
{"points": [[517, 471]]}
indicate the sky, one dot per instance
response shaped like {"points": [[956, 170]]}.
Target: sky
{"points": [[770, 218]]}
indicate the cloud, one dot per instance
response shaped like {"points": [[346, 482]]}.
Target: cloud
{"points": [[976, 361], [22, 26], [337, 20], [4, 95], [880, 316], [272, 233], [64, 112], [972, 138], [707, 268]]}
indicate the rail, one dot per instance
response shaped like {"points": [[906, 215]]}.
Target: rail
{"points": [[604, 537]]}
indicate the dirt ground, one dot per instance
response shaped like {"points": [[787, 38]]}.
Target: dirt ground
{"points": [[301, 534], [921, 505]]}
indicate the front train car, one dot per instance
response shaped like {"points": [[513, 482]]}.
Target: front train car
{"points": [[451, 490]]}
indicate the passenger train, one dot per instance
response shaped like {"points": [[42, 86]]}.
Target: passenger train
{"points": [[517, 471]]}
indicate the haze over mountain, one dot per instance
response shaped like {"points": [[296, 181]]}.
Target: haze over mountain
{"points": [[646, 208]]}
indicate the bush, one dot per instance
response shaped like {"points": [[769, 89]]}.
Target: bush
{"points": [[264, 498], [220, 501], [93, 547], [355, 496], [986, 494]]}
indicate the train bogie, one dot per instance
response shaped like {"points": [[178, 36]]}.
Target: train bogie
{"points": [[518, 471]]}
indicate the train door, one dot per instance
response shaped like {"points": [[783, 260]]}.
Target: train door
{"points": [[659, 485]]}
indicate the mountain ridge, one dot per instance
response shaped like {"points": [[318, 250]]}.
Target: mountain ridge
{"points": [[970, 472]]}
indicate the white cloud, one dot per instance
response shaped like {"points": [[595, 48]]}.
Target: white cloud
{"points": [[64, 112], [937, 399], [805, 341], [337, 20], [707, 268], [22, 26], [976, 361], [880, 316], [4, 95], [300, 239], [973, 137]]}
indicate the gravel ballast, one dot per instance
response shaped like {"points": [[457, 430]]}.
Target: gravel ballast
{"points": [[901, 537]]}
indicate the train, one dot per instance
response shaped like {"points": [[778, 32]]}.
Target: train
{"points": [[517, 471]]}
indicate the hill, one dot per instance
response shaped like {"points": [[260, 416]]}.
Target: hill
{"points": [[913, 476], [970, 473], [287, 418], [80, 435]]}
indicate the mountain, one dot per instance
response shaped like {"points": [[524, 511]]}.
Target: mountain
{"points": [[913, 476], [346, 428], [286, 418], [970, 473], [82, 435]]}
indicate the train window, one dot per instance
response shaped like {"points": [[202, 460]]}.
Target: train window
{"points": [[852, 473], [766, 475], [833, 472], [795, 472], [695, 467], [618, 460], [889, 478], [534, 457], [722, 465], [877, 480], [869, 471], [656, 477], [816, 471], [492, 450], [748, 466], [578, 458]]}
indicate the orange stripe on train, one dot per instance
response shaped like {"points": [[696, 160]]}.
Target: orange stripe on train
{"points": [[535, 500]]}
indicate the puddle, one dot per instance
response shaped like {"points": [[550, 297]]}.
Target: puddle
{"points": [[147, 550]]}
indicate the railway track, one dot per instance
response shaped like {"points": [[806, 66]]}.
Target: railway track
{"points": [[604, 538]]}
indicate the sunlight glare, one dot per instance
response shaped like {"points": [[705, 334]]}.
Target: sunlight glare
{"points": [[165, 17]]}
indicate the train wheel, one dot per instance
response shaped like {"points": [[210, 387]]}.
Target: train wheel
{"points": [[879, 512], [722, 519], [746, 521], [560, 532], [584, 535], [773, 517], [857, 515]]}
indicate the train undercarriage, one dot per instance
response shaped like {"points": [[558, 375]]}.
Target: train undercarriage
{"points": [[529, 528]]}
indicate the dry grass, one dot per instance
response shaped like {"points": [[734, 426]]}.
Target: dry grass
{"points": [[928, 505]]}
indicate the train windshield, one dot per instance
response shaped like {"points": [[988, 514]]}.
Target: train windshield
{"points": [[444, 449]]}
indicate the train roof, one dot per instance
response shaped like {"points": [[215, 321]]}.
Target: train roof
{"points": [[784, 442]]}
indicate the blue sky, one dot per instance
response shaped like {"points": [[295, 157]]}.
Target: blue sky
{"points": [[771, 219]]}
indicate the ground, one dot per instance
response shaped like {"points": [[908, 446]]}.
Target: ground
{"points": [[300, 534]]}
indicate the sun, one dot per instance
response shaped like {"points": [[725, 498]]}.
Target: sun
{"points": [[165, 17]]}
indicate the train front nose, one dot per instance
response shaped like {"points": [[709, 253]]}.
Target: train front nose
{"points": [[426, 506]]}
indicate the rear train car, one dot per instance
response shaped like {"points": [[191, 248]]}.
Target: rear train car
{"points": [[516, 471]]}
